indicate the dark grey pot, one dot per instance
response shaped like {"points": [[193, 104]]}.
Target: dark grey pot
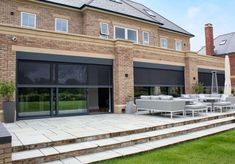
{"points": [[9, 111]]}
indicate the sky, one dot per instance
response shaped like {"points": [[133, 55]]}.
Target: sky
{"points": [[192, 15]]}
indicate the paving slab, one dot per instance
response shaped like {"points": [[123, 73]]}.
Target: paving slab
{"points": [[98, 156]]}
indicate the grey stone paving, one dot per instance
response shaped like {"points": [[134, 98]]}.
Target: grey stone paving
{"points": [[28, 132]]}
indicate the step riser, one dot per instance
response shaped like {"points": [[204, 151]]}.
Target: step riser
{"points": [[119, 145], [116, 134]]}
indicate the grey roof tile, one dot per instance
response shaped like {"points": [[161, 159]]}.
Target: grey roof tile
{"points": [[127, 7], [221, 49]]}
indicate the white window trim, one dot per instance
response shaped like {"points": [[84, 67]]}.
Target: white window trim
{"points": [[146, 42], [161, 42], [21, 20], [67, 24], [126, 33], [177, 40], [101, 33]]}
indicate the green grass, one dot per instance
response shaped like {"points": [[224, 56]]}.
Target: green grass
{"points": [[45, 106], [217, 149]]}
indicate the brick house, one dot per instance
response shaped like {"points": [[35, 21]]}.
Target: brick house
{"points": [[88, 56]]}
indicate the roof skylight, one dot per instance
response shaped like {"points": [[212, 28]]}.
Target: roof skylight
{"points": [[149, 12], [223, 42], [117, 1]]}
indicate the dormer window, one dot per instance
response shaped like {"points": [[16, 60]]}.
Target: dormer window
{"points": [[223, 42], [149, 12]]}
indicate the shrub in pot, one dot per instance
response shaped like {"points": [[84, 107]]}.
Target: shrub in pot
{"points": [[7, 90], [198, 88]]}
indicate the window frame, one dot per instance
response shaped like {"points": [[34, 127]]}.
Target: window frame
{"points": [[126, 33], [101, 32], [181, 43], [67, 24], [146, 42], [26, 26], [166, 39]]}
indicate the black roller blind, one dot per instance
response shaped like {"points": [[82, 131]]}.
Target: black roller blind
{"points": [[158, 77]]}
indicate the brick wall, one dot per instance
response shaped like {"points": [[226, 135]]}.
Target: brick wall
{"points": [[85, 22], [123, 75], [172, 37], [123, 53], [92, 21], [5, 146], [45, 15], [232, 66]]}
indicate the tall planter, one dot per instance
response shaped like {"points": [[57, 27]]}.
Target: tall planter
{"points": [[9, 111], [7, 90]]}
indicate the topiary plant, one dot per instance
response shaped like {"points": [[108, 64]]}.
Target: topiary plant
{"points": [[198, 88], [7, 90]]}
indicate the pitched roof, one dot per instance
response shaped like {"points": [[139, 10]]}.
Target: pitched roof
{"points": [[125, 7], [224, 44]]}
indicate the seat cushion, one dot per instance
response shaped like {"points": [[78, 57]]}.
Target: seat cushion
{"points": [[195, 106], [222, 103], [145, 97], [166, 97], [155, 97]]}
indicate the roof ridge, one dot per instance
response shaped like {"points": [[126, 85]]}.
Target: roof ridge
{"points": [[139, 10]]}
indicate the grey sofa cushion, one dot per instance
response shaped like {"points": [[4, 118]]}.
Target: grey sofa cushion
{"points": [[166, 98], [155, 97], [195, 106], [145, 97], [222, 103]]}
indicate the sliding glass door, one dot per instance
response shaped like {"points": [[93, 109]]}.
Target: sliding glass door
{"points": [[34, 101], [72, 100], [56, 89]]}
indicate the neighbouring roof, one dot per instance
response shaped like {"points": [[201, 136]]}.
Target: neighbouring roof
{"points": [[125, 7], [224, 44]]}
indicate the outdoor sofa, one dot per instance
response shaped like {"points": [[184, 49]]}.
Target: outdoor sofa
{"points": [[163, 104]]}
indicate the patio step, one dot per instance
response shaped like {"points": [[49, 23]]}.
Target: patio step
{"points": [[61, 140], [138, 148], [53, 153]]}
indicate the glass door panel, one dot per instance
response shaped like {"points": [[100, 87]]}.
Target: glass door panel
{"points": [[72, 100], [34, 102]]}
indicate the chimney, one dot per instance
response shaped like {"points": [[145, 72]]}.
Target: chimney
{"points": [[209, 39]]}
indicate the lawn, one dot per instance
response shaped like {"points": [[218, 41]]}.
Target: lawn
{"points": [[217, 149], [45, 106]]}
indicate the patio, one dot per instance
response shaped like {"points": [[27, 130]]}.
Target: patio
{"points": [[92, 138], [28, 132]]}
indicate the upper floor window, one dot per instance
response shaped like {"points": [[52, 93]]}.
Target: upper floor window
{"points": [[104, 30], [146, 38], [28, 20], [126, 33], [163, 43], [178, 45], [61, 25]]}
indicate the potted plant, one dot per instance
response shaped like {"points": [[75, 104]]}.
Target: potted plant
{"points": [[198, 88], [7, 90]]}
